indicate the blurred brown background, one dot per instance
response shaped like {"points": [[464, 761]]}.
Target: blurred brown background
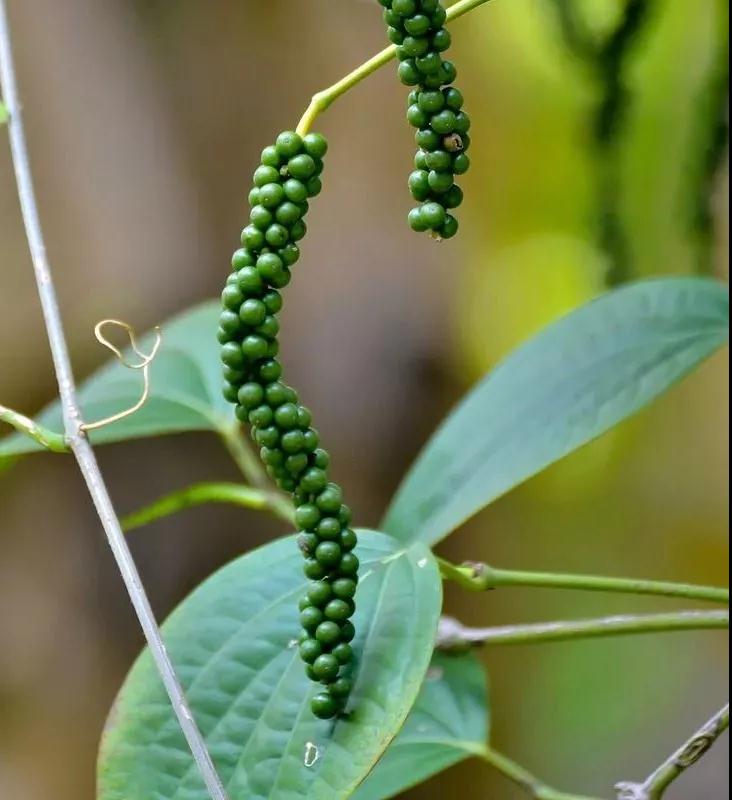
{"points": [[145, 121]]}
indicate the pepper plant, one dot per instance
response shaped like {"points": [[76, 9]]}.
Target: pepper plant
{"points": [[390, 692]]}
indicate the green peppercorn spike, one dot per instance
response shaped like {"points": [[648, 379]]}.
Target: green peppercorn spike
{"points": [[434, 108], [280, 424]]}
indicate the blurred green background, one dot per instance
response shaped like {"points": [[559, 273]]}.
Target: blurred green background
{"points": [[145, 121]]}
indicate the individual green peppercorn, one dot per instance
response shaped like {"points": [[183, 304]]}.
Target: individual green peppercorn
{"points": [[428, 140], [298, 231], [311, 617], [271, 195], [270, 157], [449, 227], [296, 464], [329, 633], [408, 73], [348, 540], [453, 197], [242, 257], [252, 237], [286, 415], [307, 516], [254, 347], [343, 653], [326, 667], [249, 281], [230, 392], [417, 117], [405, 8], [269, 266], [433, 214], [417, 25], [232, 297], [252, 312], [324, 706], [328, 528], [250, 395], [270, 371], [288, 144], [431, 102], [269, 328], [277, 235], [319, 594], [330, 499], [460, 163], [230, 322], [341, 688], [292, 442], [235, 376], [329, 555], [310, 649], [314, 186], [315, 145], [289, 254], [314, 570], [314, 480], [311, 441], [439, 182], [337, 610], [232, 355], [261, 416], [347, 632], [416, 223], [419, 185], [307, 542], [287, 214], [264, 175], [348, 563], [267, 437], [301, 167], [344, 588], [439, 161]]}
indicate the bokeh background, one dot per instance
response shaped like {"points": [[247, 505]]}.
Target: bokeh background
{"points": [[145, 120]]}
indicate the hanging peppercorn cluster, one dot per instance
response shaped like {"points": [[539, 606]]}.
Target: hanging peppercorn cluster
{"points": [[280, 425], [416, 27]]}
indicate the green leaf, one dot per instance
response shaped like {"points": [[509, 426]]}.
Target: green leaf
{"points": [[573, 381], [4, 116], [185, 393], [449, 722], [232, 642]]}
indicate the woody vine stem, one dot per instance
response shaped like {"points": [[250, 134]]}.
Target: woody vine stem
{"points": [[74, 432]]}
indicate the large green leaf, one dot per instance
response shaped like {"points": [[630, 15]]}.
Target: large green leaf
{"points": [[573, 381], [232, 642], [185, 393], [449, 722]]}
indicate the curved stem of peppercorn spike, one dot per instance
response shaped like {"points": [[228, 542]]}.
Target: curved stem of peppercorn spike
{"points": [[199, 494], [453, 636], [654, 787], [73, 421], [482, 577], [48, 439], [522, 777], [323, 99]]}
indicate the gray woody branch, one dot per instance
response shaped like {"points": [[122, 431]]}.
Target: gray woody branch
{"points": [[74, 424], [686, 756]]}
